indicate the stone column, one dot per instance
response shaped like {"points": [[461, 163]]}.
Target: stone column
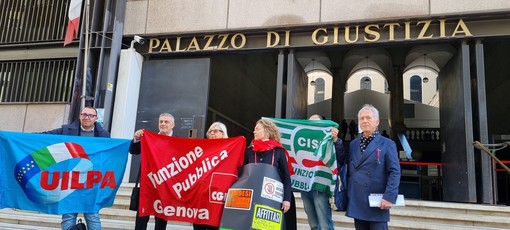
{"points": [[397, 100], [337, 97]]}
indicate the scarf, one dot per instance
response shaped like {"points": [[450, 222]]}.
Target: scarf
{"points": [[365, 141], [265, 145], [268, 144]]}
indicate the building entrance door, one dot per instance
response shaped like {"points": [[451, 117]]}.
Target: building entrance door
{"points": [[176, 86]]}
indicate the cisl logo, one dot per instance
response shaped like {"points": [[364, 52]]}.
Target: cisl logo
{"points": [[306, 143], [50, 174], [307, 140]]}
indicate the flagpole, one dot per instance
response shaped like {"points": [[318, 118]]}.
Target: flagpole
{"points": [[86, 55]]}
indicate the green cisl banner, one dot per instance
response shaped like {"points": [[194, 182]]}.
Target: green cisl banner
{"points": [[311, 152]]}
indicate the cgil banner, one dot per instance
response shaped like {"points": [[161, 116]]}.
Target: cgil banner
{"points": [[187, 179], [311, 152], [58, 174]]}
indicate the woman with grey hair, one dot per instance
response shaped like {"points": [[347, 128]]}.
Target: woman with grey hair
{"points": [[217, 130]]}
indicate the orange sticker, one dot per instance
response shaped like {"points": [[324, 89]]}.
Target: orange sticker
{"points": [[239, 199]]}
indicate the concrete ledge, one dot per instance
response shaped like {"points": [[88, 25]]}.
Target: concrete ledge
{"points": [[496, 210], [450, 218], [401, 224]]}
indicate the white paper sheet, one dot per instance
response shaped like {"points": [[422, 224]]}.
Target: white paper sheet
{"points": [[375, 199]]}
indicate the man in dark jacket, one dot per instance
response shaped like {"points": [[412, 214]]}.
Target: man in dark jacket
{"points": [[373, 169], [86, 126], [166, 125]]}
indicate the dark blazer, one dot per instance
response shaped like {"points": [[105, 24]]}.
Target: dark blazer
{"points": [[376, 171], [135, 147], [74, 129], [280, 162]]}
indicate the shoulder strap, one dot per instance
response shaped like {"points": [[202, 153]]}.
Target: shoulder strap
{"points": [[272, 160]]}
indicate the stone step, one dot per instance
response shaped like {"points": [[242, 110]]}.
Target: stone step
{"points": [[408, 225], [416, 214], [10, 220], [41, 220], [451, 207], [454, 218], [8, 226], [474, 215], [27, 220]]}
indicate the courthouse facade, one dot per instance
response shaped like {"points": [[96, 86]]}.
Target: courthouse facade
{"points": [[437, 70]]}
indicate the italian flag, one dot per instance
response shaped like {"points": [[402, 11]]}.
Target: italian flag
{"points": [[43, 158], [311, 152], [74, 21], [56, 153]]}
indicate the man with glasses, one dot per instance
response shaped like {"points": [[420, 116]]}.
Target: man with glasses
{"points": [[166, 125], [88, 127]]}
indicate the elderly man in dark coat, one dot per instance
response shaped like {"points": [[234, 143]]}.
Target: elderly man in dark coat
{"points": [[373, 167]]}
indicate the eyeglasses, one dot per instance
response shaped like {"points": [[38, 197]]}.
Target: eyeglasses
{"points": [[213, 131], [84, 115]]}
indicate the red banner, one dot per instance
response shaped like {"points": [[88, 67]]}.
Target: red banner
{"points": [[187, 179]]}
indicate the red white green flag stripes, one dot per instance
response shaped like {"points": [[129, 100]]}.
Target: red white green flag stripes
{"points": [[74, 21], [311, 152]]}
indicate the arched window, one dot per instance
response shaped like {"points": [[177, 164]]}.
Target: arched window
{"points": [[320, 86], [365, 83], [319, 90], [416, 90]]}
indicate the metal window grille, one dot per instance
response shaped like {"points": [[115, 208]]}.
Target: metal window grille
{"points": [[23, 21], [37, 81]]}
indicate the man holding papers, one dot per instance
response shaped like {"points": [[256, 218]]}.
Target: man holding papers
{"points": [[373, 169]]}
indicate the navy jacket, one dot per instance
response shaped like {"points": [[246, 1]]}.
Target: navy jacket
{"points": [[74, 129], [376, 171], [340, 152]]}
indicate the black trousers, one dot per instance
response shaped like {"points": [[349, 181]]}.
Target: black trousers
{"points": [[368, 225], [204, 227], [141, 223], [290, 215]]}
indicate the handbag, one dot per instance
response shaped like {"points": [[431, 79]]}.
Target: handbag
{"points": [[341, 199], [79, 226], [135, 194]]}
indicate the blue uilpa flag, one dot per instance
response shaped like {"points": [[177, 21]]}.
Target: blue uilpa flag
{"points": [[59, 174]]}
